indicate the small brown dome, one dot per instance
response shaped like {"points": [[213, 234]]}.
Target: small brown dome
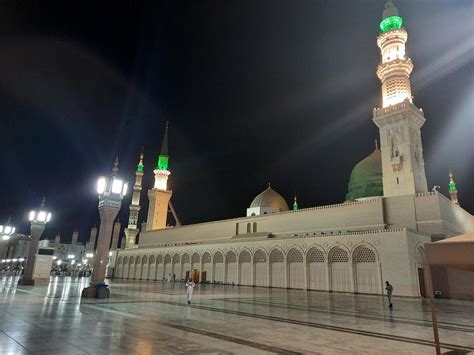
{"points": [[270, 198]]}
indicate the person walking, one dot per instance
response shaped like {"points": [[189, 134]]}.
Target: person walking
{"points": [[189, 289], [389, 289]]}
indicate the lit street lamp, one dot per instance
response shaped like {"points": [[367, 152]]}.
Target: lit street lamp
{"points": [[6, 231], [111, 190], [38, 219]]}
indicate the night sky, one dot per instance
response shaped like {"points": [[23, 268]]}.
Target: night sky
{"points": [[255, 91]]}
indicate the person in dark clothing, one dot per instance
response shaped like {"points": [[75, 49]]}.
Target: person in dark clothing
{"points": [[389, 289]]}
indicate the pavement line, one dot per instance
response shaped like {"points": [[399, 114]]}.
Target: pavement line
{"points": [[329, 327], [239, 341]]}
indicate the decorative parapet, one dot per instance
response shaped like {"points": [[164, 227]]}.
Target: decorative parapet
{"points": [[340, 233], [431, 193]]}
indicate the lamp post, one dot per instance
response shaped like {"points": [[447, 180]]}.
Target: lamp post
{"points": [[6, 231], [111, 190], [38, 218]]}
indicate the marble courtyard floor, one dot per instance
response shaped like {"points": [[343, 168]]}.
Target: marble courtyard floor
{"points": [[153, 318]]}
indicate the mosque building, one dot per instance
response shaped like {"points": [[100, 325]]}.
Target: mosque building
{"points": [[376, 234]]}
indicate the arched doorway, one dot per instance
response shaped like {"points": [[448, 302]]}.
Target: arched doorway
{"points": [[232, 267], [245, 264], [295, 269], [185, 266], [118, 268], [341, 270], [138, 269], [277, 268], [125, 268], [367, 271], [151, 268], [196, 267], [159, 268], [131, 268], [168, 266], [261, 268], [176, 266], [218, 267], [144, 270], [420, 264], [317, 269], [206, 274]]}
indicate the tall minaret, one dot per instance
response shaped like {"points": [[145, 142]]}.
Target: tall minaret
{"points": [[132, 230], [453, 191], [75, 236], [90, 246], [399, 120], [115, 235], [160, 196]]}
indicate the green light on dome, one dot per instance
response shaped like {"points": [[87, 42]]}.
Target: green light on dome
{"points": [[163, 162], [140, 168], [391, 23]]}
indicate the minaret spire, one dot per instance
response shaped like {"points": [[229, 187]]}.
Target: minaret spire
{"points": [[453, 191], [160, 195], [131, 231], [161, 171]]}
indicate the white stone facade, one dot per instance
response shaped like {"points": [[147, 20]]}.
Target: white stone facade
{"points": [[357, 262]]}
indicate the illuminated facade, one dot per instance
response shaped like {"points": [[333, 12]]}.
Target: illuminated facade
{"points": [[377, 234]]}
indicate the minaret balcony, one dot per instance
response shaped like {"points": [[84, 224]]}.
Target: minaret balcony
{"points": [[395, 67], [405, 110]]}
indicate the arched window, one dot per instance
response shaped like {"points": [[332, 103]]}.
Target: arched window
{"points": [[196, 258], [176, 259], [206, 258], [244, 257], [231, 257], [185, 259], [276, 256], [248, 227], [338, 255], [315, 255], [260, 257], [364, 255], [254, 227], [295, 256], [218, 258]]}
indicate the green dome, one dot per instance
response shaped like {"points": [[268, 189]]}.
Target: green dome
{"points": [[366, 178]]}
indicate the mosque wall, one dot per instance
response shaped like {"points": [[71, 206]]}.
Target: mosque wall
{"points": [[357, 262], [430, 212], [360, 215]]}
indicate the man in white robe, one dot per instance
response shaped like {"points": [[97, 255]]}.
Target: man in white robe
{"points": [[189, 289]]}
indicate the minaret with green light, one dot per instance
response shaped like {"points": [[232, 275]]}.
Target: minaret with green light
{"points": [[131, 231], [398, 119], [453, 191], [160, 196], [296, 207]]}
